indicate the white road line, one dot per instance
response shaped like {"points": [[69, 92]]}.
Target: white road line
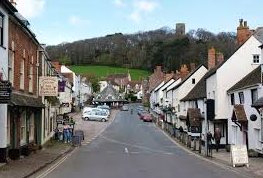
{"points": [[126, 150]]}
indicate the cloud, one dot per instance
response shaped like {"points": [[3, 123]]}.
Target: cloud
{"points": [[145, 6], [119, 3], [75, 20], [135, 16], [30, 8]]}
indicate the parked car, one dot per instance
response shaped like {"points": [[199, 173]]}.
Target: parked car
{"points": [[125, 108], [95, 114], [104, 107], [142, 114], [147, 118], [141, 111]]}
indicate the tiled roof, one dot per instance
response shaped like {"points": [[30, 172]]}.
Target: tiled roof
{"points": [[239, 113], [26, 101], [252, 78]]}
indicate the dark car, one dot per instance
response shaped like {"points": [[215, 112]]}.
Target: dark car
{"points": [[142, 114]]}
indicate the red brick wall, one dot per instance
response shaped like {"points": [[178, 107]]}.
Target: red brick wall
{"points": [[22, 41], [211, 58]]}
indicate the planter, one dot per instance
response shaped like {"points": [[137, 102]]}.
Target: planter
{"points": [[14, 154]]}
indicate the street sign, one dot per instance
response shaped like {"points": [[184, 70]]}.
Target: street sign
{"points": [[5, 92], [239, 155]]}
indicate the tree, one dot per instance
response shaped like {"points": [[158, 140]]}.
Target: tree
{"points": [[95, 85]]}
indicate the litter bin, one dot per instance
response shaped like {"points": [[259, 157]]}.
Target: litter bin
{"points": [[76, 140]]}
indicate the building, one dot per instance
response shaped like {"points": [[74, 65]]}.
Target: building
{"points": [[110, 97], [222, 77], [121, 80], [6, 10]]}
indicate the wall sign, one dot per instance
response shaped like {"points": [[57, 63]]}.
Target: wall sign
{"points": [[5, 92], [48, 86], [239, 155]]}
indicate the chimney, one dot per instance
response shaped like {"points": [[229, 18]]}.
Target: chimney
{"points": [[158, 68], [211, 58], [243, 32], [13, 2], [184, 71], [177, 74], [219, 58], [192, 66]]}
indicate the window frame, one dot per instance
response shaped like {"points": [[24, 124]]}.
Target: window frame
{"points": [[232, 99], [252, 98], [22, 74], [193, 81], [241, 96], [2, 29], [31, 76], [257, 59], [23, 129], [11, 60]]}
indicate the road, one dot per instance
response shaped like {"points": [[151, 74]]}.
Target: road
{"points": [[130, 148]]}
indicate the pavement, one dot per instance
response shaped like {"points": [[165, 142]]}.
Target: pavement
{"points": [[131, 148], [31, 165]]}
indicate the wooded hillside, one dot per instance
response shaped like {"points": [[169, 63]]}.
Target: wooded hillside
{"points": [[144, 50]]}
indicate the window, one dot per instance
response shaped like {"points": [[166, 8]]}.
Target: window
{"points": [[11, 59], [261, 129], [31, 74], [254, 95], [178, 107], [234, 139], [241, 97], [23, 129], [31, 128], [22, 74], [232, 96], [193, 81], [1, 29], [257, 138], [256, 58]]}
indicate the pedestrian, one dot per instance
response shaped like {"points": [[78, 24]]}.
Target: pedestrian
{"points": [[217, 137], [209, 143], [66, 132]]}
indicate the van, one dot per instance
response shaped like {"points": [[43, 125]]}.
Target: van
{"points": [[95, 114]]}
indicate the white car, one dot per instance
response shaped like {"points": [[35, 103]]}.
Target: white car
{"points": [[95, 114]]}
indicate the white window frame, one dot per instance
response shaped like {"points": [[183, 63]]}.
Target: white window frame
{"points": [[31, 76], [11, 59], [22, 74], [241, 97], [256, 58], [23, 129], [31, 127]]}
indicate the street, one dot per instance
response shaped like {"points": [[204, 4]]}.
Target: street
{"points": [[130, 148]]}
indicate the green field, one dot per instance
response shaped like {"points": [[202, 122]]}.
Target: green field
{"points": [[103, 71]]}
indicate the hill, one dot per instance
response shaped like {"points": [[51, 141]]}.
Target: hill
{"points": [[144, 50], [103, 71]]}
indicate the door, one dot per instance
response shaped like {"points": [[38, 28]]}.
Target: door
{"points": [[257, 138]]}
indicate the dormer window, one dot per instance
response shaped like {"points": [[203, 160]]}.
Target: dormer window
{"points": [[256, 58]]}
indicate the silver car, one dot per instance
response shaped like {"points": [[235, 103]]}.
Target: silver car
{"points": [[95, 114]]}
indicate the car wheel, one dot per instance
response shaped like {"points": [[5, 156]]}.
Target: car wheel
{"points": [[86, 119], [103, 120]]}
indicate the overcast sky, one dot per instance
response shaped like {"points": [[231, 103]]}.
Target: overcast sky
{"points": [[57, 21]]}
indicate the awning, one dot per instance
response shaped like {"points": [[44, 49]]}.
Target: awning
{"points": [[26, 101], [194, 117], [239, 114]]}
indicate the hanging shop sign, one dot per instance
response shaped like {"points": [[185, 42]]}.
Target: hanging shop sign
{"points": [[5, 92], [48, 86]]}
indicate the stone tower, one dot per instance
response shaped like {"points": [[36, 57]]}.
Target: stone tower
{"points": [[180, 29]]}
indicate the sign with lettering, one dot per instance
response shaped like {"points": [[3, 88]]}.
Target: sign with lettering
{"points": [[48, 86], [5, 92], [239, 155]]}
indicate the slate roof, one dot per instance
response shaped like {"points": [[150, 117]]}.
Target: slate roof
{"points": [[252, 78], [198, 92], [188, 76], [239, 113], [26, 101], [109, 90]]}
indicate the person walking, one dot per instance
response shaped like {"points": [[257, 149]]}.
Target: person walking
{"points": [[66, 132], [209, 137], [217, 137]]}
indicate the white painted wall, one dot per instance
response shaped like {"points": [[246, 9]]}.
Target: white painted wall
{"points": [[4, 70], [66, 97], [252, 125]]}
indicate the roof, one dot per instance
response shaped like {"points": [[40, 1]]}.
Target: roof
{"points": [[109, 90], [168, 84], [117, 75], [68, 76], [198, 92], [194, 116], [26, 101], [159, 86], [8, 6], [252, 78], [239, 113], [188, 76], [258, 35]]}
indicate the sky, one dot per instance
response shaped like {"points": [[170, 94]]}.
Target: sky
{"points": [[58, 21]]}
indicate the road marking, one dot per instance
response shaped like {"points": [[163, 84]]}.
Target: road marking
{"points": [[136, 146], [126, 150]]}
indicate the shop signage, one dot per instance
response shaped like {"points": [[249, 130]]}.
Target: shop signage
{"points": [[5, 92], [48, 86], [239, 155]]}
